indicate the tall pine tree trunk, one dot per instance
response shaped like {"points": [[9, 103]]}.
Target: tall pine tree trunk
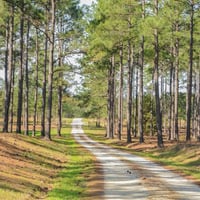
{"points": [[176, 88], [21, 73], [156, 85], [135, 101], [140, 96], [189, 75], [129, 93], [152, 109], [26, 101], [198, 99], [36, 85], [44, 87], [120, 101], [12, 97], [50, 73], [170, 101], [59, 125], [111, 99], [8, 69], [60, 88]]}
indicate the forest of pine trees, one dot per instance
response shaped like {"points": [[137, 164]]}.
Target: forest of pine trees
{"points": [[150, 50], [140, 65], [37, 38]]}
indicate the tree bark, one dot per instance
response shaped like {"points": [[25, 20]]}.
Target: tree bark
{"points": [[189, 75], [60, 88], [156, 85], [120, 101], [171, 99], [44, 89], [8, 69], [176, 129], [12, 97], [26, 101], [21, 73], [140, 96], [36, 85], [198, 99], [111, 99], [50, 75], [129, 93]]}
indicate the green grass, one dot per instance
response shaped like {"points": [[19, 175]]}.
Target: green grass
{"points": [[33, 168], [184, 158], [71, 183]]}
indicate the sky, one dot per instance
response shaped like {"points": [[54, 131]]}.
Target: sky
{"points": [[87, 2]]}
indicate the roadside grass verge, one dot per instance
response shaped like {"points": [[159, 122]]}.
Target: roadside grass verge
{"points": [[181, 157], [71, 182], [33, 168]]}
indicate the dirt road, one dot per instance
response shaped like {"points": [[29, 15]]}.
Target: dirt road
{"points": [[127, 176]]}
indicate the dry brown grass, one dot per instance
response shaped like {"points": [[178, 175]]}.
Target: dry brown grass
{"points": [[28, 166]]}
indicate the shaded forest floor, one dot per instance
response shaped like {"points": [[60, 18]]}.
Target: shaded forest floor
{"points": [[33, 168], [182, 157], [28, 166]]}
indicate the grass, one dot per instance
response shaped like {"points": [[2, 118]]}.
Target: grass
{"points": [[28, 166], [181, 157], [71, 183], [33, 168], [185, 158]]}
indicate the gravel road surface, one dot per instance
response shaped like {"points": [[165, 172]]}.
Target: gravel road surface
{"points": [[127, 176]]}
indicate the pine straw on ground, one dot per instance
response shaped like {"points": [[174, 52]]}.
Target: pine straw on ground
{"points": [[28, 166]]}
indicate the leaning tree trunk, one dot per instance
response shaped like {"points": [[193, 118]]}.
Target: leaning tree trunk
{"points": [[156, 85], [189, 76], [50, 75]]}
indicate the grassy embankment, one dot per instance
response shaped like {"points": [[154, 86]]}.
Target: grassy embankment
{"points": [[32, 168], [181, 157]]}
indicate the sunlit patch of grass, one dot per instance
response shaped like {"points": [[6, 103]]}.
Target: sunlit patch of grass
{"points": [[31, 167], [71, 182], [11, 195], [28, 165], [185, 158], [182, 157]]}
